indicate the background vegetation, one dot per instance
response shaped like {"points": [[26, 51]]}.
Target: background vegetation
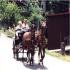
{"points": [[12, 12], [58, 55]]}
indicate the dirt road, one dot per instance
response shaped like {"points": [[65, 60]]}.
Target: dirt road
{"points": [[7, 62]]}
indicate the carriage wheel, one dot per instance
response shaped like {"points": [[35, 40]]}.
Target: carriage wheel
{"points": [[17, 53], [14, 49]]}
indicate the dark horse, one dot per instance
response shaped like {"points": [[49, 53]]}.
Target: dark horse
{"points": [[40, 40]]}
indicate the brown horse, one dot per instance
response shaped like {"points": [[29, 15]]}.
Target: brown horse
{"points": [[29, 46], [41, 42]]}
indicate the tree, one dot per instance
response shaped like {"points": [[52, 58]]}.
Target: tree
{"points": [[57, 6], [36, 11], [10, 12], [31, 10], [16, 10]]}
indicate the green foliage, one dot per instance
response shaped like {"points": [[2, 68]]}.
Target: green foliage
{"points": [[36, 11], [11, 8], [57, 6], [58, 55], [2, 9], [8, 10]]}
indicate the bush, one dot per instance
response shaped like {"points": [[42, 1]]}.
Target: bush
{"points": [[13, 13]]}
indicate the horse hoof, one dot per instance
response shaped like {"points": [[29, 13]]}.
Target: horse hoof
{"points": [[30, 64], [14, 57], [40, 60], [42, 63], [27, 62], [38, 63]]}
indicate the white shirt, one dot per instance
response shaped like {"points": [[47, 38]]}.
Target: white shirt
{"points": [[18, 27], [26, 26]]}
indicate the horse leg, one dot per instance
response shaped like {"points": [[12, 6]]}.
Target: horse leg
{"points": [[23, 54], [28, 57], [13, 48], [17, 53], [13, 52], [31, 52], [42, 55], [32, 56], [23, 47], [39, 55]]}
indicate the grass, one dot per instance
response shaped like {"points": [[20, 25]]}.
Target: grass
{"points": [[9, 33], [59, 56]]}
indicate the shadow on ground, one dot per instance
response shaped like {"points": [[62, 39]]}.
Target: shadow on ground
{"points": [[35, 66]]}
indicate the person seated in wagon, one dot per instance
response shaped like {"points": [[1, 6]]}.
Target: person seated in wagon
{"points": [[25, 25], [21, 28], [18, 28]]}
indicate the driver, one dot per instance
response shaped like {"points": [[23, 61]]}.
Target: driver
{"points": [[25, 25]]}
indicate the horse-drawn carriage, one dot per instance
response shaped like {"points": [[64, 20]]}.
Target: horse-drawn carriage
{"points": [[29, 41]]}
